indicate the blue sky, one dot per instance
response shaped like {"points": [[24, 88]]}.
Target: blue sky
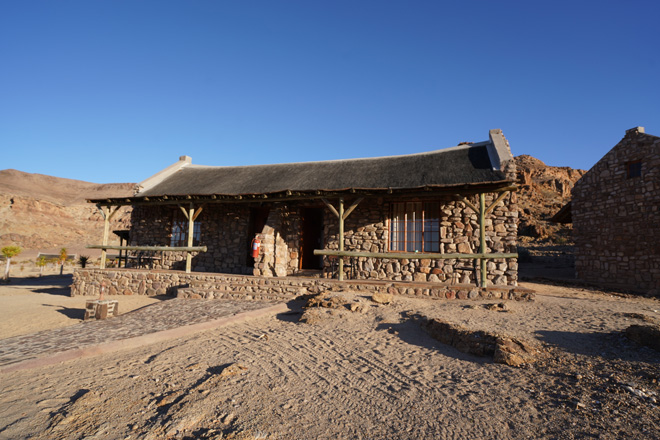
{"points": [[114, 91]]}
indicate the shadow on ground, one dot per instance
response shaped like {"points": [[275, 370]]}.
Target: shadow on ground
{"points": [[63, 291], [410, 332], [294, 313], [607, 345], [46, 280], [69, 312]]}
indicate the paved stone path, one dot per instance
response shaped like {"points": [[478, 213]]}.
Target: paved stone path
{"points": [[166, 315]]}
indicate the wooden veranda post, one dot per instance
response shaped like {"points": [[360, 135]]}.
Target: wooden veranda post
{"points": [[482, 237], [191, 215], [191, 231], [341, 215], [106, 232], [341, 238], [482, 211], [107, 214]]}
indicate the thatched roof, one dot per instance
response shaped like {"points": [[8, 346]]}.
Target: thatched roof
{"points": [[471, 164]]}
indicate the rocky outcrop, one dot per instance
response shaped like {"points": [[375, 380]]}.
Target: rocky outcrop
{"points": [[543, 191]]}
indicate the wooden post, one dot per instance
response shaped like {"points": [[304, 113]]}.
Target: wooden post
{"points": [[106, 231], [191, 231], [341, 215], [107, 214], [121, 243], [341, 238], [482, 236]]}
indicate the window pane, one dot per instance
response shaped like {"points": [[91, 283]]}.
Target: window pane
{"points": [[180, 233], [397, 237], [415, 226]]}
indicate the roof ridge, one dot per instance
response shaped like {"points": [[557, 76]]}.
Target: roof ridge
{"points": [[311, 162]]}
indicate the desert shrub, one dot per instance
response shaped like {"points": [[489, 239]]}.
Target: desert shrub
{"points": [[83, 260], [41, 263], [9, 252]]}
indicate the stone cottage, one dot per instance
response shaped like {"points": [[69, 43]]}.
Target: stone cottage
{"points": [[447, 215], [616, 216]]}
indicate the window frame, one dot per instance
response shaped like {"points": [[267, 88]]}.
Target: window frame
{"points": [[425, 240], [179, 231], [633, 169]]}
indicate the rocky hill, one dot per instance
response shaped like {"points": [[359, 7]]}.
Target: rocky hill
{"points": [[45, 213], [543, 191]]}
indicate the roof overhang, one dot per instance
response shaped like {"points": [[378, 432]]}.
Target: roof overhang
{"points": [[288, 195]]}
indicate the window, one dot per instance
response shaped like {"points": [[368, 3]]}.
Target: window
{"points": [[180, 232], [415, 227], [634, 169]]}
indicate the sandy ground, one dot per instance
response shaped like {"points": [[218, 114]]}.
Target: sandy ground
{"points": [[32, 303], [373, 374]]}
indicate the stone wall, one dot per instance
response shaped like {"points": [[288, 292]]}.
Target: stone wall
{"points": [[616, 218], [224, 232], [212, 285], [367, 229]]}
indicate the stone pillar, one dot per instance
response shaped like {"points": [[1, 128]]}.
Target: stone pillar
{"points": [[274, 255]]}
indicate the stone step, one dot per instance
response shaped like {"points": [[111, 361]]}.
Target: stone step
{"points": [[247, 289], [297, 288], [195, 293]]}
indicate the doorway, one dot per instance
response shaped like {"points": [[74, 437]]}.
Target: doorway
{"points": [[311, 238], [258, 219]]}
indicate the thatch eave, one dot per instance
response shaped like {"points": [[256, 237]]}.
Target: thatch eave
{"points": [[427, 191]]}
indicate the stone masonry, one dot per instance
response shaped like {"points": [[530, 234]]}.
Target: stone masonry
{"points": [[224, 230], [367, 229], [616, 216], [247, 287]]}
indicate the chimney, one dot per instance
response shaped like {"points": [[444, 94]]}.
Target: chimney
{"points": [[635, 130]]}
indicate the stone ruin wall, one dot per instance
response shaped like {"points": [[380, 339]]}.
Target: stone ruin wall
{"points": [[616, 220]]}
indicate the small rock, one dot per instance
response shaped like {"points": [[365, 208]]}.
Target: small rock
{"points": [[505, 357], [498, 307], [382, 298], [166, 400], [356, 307], [325, 300]]}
